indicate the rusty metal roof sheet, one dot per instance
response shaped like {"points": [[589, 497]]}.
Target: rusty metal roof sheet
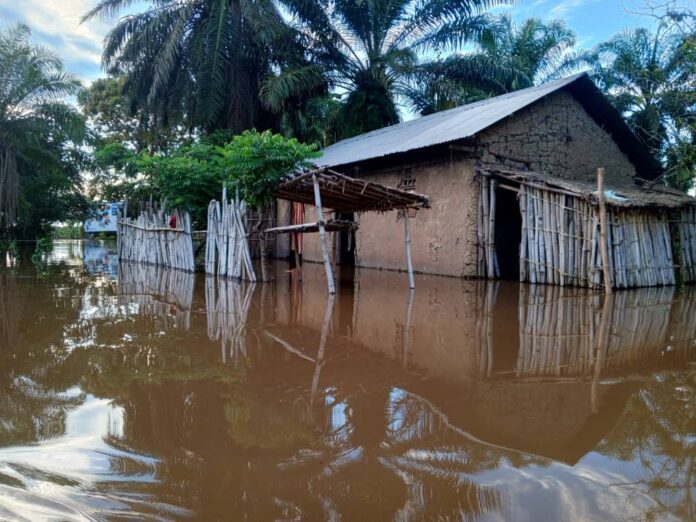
{"points": [[620, 196], [467, 120]]}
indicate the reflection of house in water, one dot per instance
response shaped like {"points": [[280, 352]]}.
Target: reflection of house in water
{"points": [[521, 367], [382, 400]]}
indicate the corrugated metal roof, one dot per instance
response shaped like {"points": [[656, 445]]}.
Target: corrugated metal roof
{"points": [[441, 127]]}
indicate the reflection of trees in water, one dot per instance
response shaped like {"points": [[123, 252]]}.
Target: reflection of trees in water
{"points": [[37, 368], [30, 412], [278, 435], [409, 461], [657, 430]]}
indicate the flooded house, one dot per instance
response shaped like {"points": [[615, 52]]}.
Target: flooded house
{"points": [[512, 184]]}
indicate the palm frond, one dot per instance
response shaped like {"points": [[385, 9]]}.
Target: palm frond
{"points": [[276, 89]]}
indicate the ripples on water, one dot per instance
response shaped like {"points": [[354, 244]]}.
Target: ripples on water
{"points": [[131, 392]]}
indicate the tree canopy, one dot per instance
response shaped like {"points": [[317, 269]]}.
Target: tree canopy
{"points": [[40, 158], [650, 78]]}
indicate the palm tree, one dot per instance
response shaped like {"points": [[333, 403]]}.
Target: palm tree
{"points": [[541, 51], [198, 62], [34, 122], [650, 78], [520, 56], [372, 52]]}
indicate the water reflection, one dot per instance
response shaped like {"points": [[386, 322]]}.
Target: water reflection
{"points": [[166, 395]]}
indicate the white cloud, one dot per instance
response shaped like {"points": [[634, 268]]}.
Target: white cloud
{"points": [[57, 25], [565, 7]]}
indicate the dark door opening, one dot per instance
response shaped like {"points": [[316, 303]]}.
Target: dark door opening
{"points": [[508, 233], [346, 242]]}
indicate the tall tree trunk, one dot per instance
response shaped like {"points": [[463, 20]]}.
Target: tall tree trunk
{"points": [[9, 185]]}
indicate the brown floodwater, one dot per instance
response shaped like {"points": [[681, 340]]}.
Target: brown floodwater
{"points": [[136, 392]]}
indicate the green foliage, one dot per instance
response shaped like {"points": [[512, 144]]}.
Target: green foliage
{"points": [[650, 78], [40, 137], [44, 246], [376, 52], [71, 230], [187, 178], [190, 176], [198, 63], [9, 247], [255, 162], [319, 120]]}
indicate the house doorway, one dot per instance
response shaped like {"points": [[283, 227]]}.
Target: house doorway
{"points": [[508, 233], [346, 241]]}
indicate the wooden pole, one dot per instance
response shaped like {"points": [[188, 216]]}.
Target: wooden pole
{"points": [[602, 342], [322, 347], [322, 236], [409, 263], [407, 329], [603, 230]]}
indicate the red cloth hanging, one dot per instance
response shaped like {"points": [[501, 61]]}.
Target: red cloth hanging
{"points": [[172, 221]]}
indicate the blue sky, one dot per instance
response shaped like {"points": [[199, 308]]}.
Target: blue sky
{"points": [[56, 23]]}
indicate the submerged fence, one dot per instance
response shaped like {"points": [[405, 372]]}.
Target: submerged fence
{"points": [[158, 238]]}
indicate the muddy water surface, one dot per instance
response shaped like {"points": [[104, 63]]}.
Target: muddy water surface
{"points": [[137, 392]]}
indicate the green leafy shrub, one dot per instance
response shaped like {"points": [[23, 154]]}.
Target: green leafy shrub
{"points": [[255, 162]]}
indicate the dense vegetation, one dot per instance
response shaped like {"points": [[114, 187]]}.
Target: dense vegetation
{"points": [[185, 76], [40, 134]]}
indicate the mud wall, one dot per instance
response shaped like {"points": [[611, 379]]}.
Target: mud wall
{"points": [[556, 136], [443, 237]]}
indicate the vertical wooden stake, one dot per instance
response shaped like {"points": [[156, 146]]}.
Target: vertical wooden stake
{"points": [[409, 263], [407, 329], [602, 342], [491, 233], [603, 230], [322, 236]]}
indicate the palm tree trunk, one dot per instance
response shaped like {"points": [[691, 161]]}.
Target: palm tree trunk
{"points": [[9, 182]]}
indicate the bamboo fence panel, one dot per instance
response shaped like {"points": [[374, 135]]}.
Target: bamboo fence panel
{"points": [[560, 243], [227, 244], [158, 291], [687, 237], [487, 257], [150, 239], [227, 308]]}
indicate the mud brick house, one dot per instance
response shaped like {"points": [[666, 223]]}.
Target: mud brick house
{"points": [[512, 187]]}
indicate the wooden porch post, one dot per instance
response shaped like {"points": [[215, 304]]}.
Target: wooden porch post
{"points": [[322, 236], [409, 263], [603, 230]]}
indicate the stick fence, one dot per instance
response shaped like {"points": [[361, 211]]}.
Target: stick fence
{"points": [[227, 245], [150, 239], [561, 241]]}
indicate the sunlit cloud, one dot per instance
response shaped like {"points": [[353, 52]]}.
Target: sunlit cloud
{"points": [[57, 25]]}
